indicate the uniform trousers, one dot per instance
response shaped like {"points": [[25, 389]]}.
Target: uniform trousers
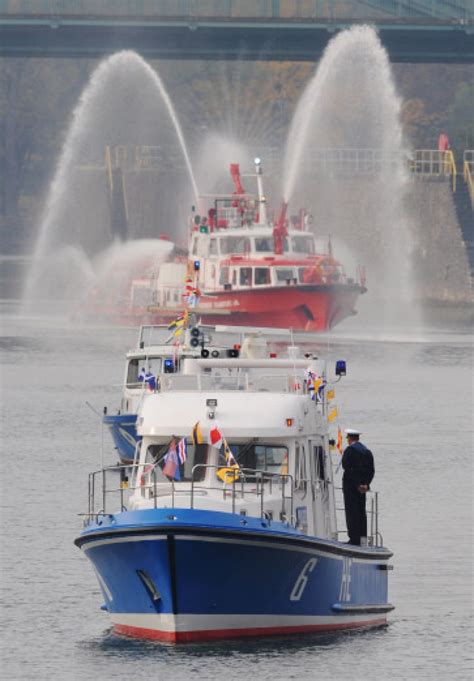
{"points": [[356, 517]]}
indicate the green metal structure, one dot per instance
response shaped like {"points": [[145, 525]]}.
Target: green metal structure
{"points": [[411, 30]]}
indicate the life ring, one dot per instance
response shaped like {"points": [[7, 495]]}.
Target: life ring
{"points": [[322, 272]]}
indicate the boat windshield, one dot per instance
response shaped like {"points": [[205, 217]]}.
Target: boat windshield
{"points": [[157, 456], [138, 367], [258, 456], [302, 244], [266, 244], [235, 244]]}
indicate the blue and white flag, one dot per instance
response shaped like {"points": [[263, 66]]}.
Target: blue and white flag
{"points": [[182, 450]]}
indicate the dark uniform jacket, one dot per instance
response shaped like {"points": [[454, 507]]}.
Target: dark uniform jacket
{"points": [[358, 465]]}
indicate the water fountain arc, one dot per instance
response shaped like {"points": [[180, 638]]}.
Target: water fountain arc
{"points": [[351, 103], [121, 66]]}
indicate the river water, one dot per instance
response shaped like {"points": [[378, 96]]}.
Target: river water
{"points": [[410, 392]]}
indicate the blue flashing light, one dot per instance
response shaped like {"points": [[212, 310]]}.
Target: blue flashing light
{"points": [[197, 265], [341, 367], [168, 366]]}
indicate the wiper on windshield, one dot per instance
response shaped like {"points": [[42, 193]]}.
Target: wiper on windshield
{"points": [[246, 448]]}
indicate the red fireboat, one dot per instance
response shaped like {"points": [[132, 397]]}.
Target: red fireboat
{"points": [[245, 269], [257, 272]]}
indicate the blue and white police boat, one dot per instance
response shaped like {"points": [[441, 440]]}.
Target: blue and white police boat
{"points": [[159, 352], [227, 524]]}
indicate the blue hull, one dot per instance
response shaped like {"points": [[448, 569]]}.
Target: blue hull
{"points": [[124, 434], [187, 575]]}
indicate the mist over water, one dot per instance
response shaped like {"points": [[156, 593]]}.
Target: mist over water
{"points": [[345, 148], [213, 159], [345, 161], [124, 103]]}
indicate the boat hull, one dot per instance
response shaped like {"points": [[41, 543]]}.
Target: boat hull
{"points": [[203, 576], [124, 434], [308, 307], [301, 307]]}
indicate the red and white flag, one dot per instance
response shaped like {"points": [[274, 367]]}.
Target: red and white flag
{"points": [[182, 450], [215, 437]]}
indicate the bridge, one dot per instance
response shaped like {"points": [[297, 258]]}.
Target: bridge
{"points": [[284, 30]]}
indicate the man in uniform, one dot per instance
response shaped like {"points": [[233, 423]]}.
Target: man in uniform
{"points": [[358, 466]]}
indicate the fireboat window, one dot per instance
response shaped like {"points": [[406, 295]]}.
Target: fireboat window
{"points": [[196, 455], [235, 244], [302, 244], [265, 245], [262, 276], [245, 277], [224, 276], [283, 275], [213, 247]]}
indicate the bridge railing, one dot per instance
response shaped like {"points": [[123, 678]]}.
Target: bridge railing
{"points": [[468, 172], [413, 11], [432, 163]]}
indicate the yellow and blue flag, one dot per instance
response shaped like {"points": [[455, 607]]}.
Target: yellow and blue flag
{"points": [[176, 323], [197, 435], [231, 471], [339, 440]]}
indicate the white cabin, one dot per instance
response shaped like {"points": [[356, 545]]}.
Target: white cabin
{"points": [[276, 432]]}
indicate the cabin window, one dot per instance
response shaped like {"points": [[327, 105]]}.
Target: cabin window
{"points": [[261, 457], [262, 276], [132, 373], [135, 366], [319, 462], [245, 276], [197, 454], [284, 275], [265, 245], [235, 244], [302, 244], [213, 247], [234, 277], [301, 271], [301, 476], [224, 276]]}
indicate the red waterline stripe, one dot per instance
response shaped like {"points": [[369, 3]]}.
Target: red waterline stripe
{"points": [[213, 634]]}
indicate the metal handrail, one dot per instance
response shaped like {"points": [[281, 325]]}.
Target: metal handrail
{"points": [[434, 163], [262, 478], [468, 172], [374, 536]]}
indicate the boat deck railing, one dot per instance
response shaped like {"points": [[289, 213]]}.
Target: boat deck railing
{"points": [[374, 536], [110, 488], [238, 380]]}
